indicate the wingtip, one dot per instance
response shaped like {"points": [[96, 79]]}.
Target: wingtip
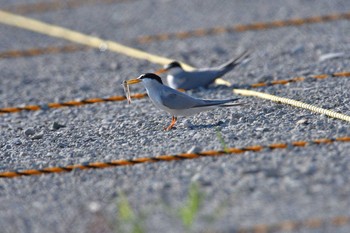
{"points": [[244, 55], [237, 60], [234, 99]]}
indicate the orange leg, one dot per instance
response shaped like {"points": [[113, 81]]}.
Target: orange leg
{"points": [[173, 121]]}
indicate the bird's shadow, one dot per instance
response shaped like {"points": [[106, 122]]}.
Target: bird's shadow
{"points": [[207, 126]]}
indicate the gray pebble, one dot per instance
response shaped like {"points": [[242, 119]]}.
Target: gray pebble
{"points": [[187, 123], [22, 154], [61, 145], [194, 149], [38, 135], [57, 126], [302, 121], [29, 132], [17, 141], [297, 49], [262, 129]]}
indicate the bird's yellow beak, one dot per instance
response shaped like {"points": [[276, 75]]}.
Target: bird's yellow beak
{"points": [[161, 71], [132, 81]]}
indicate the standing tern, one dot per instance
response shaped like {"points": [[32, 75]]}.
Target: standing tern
{"points": [[178, 78], [175, 102]]}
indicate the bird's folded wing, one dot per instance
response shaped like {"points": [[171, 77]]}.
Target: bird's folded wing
{"points": [[178, 100]]}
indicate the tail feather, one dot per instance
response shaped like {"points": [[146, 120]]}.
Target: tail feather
{"points": [[230, 65], [221, 103], [231, 105]]}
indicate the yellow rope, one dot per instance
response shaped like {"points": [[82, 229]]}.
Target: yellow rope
{"points": [[294, 103], [77, 37], [80, 38]]}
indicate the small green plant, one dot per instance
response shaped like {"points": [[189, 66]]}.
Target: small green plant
{"points": [[190, 210], [221, 139], [128, 221]]}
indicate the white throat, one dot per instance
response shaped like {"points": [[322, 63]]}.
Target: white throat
{"points": [[153, 88]]}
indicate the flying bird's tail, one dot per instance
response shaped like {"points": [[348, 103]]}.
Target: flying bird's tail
{"points": [[230, 65]]}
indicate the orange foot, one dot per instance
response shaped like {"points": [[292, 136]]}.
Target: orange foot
{"points": [[173, 121]]}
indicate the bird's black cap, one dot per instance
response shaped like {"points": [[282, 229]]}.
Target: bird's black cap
{"points": [[173, 65], [151, 76]]}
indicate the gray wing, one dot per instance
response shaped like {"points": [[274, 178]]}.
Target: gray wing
{"points": [[197, 78], [174, 99]]}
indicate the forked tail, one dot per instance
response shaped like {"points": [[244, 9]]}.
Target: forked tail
{"points": [[220, 103], [230, 65]]}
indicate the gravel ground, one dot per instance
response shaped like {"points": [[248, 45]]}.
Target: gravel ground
{"points": [[238, 191]]}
